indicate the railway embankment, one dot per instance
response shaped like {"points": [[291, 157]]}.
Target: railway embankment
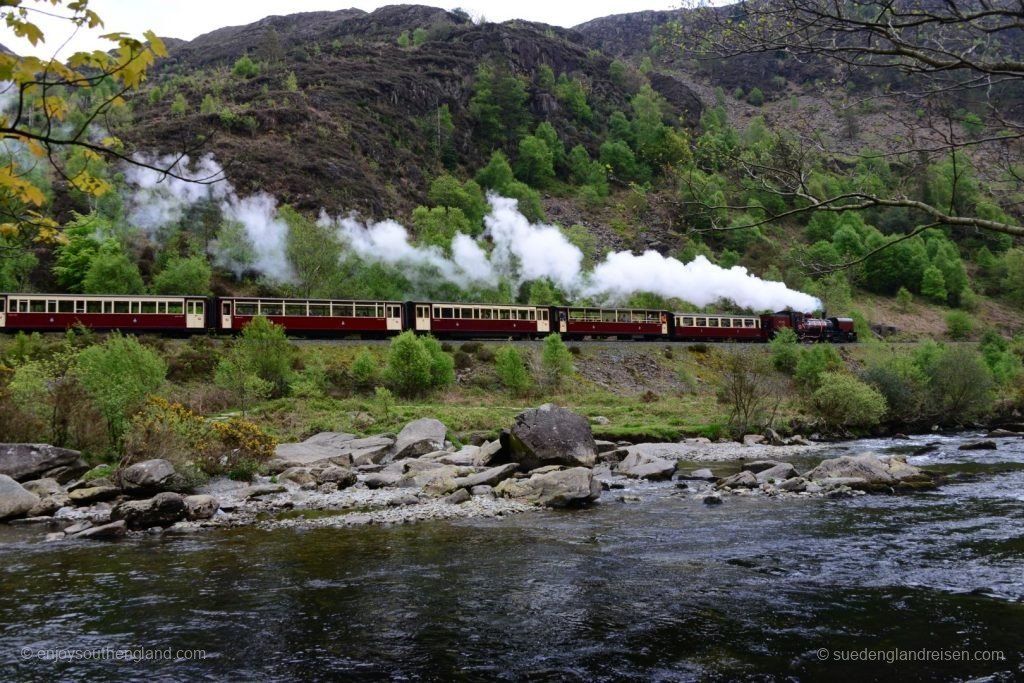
{"points": [[547, 458]]}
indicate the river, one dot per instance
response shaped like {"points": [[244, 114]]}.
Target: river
{"points": [[664, 588]]}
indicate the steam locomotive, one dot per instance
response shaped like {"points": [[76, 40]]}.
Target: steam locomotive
{"points": [[185, 315]]}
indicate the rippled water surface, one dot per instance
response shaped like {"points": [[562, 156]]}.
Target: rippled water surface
{"points": [[662, 589]]}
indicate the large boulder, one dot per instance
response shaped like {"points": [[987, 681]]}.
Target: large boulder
{"points": [[778, 473], [640, 465], [562, 488], [741, 480], [866, 466], [419, 437], [163, 510], [340, 476], [201, 506], [25, 461], [15, 501], [43, 487], [107, 532], [147, 475], [91, 494], [435, 481], [551, 435]]}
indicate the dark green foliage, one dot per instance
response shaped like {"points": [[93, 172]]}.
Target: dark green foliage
{"points": [[442, 366], [535, 162], [437, 226], [842, 402], [903, 385], [785, 350], [112, 272], [960, 384], [313, 252], [264, 350], [755, 97], [184, 276], [573, 95], [364, 369], [415, 365], [959, 325], [933, 285], [555, 361], [245, 67], [814, 362], [497, 174], [498, 104], [446, 191]]}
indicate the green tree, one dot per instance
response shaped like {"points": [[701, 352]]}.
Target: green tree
{"points": [[933, 285], [842, 401], [528, 200], [903, 384], [437, 226], [364, 369], [409, 365], [511, 370], [498, 104], [814, 363], [118, 375], [291, 82], [617, 156], [546, 132], [446, 191], [535, 164], [419, 35], [313, 252], [960, 386], [755, 97], [264, 350], [112, 272], [442, 365], [184, 276], [209, 105], [179, 106], [236, 375], [959, 325], [80, 247], [904, 300], [785, 350], [497, 174], [573, 95], [555, 361], [1013, 281], [245, 68], [403, 39]]}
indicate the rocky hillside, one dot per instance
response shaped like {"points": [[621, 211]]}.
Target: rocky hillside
{"points": [[354, 129]]}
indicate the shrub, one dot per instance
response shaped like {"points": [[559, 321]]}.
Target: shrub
{"points": [[904, 300], [903, 385], [471, 347], [699, 347], [959, 325], [785, 351], [485, 355], [364, 369], [409, 365], [756, 97], [575, 350], [749, 391], [196, 361], [118, 375], [442, 366], [462, 359], [512, 371], [383, 404], [236, 376], [815, 361], [184, 276], [555, 361], [264, 350], [960, 385], [843, 401], [245, 68]]}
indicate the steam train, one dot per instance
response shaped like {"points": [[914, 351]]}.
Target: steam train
{"points": [[185, 315]]}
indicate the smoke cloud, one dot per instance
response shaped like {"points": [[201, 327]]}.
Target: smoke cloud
{"points": [[159, 200], [519, 251]]}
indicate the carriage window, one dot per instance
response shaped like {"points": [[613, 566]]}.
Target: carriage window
{"points": [[270, 309], [748, 323], [726, 322], [446, 312], [394, 312], [543, 314], [225, 308], [295, 309], [64, 306], [341, 310], [120, 307], [466, 313], [245, 308], [687, 322], [200, 307], [504, 314], [701, 322], [93, 306], [320, 310], [1, 305], [149, 307], [485, 314]]}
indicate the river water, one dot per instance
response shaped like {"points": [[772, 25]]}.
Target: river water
{"points": [[661, 589]]}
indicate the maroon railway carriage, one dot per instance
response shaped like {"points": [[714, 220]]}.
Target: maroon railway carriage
{"points": [[312, 316], [618, 322], [479, 320], [716, 327], [46, 312]]}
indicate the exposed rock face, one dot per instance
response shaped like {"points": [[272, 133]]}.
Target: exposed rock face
{"points": [[642, 466], [201, 506], [148, 474], [43, 487], [163, 510], [25, 461], [551, 435], [15, 501], [562, 488], [419, 437]]}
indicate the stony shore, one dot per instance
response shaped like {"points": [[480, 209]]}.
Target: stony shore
{"points": [[548, 458]]}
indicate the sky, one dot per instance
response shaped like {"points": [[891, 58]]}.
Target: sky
{"points": [[187, 19]]}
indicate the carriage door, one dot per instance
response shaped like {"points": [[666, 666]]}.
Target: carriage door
{"points": [[394, 317], [225, 315], [562, 323], [423, 318], [3, 311], [194, 313], [543, 324]]}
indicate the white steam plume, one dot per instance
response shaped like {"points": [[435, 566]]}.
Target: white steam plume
{"points": [[160, 199]]}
